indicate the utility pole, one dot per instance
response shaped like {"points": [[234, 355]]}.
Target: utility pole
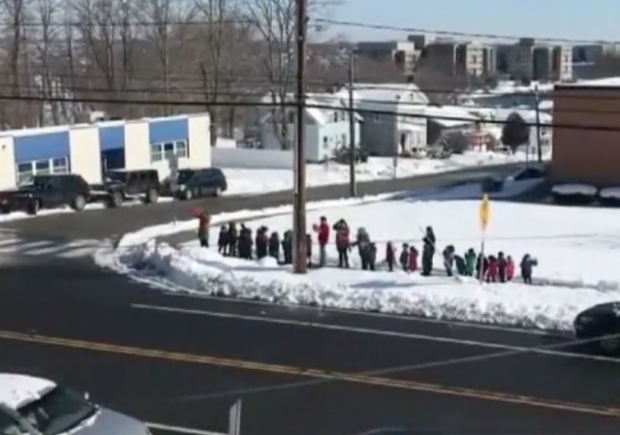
{"points": [[352, 138], [538, 131], [300, 254]]}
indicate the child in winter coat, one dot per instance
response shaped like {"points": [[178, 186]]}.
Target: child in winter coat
{"points": [[510, 268], [203, 228], [343, 242], [448, 259], [403, 259], [309, 249], [470, 262], [492, 269], [372, 256], [390, 255], [261, 243], [362, 241], [501, 267], [527, 265], [482, 266], [412, 265], [322, 230], [287, 247], [274, 245], [222, 240], [459, 262], [233, 238]]}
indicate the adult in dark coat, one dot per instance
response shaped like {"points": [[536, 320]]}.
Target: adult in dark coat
{"points": [[274, 245], [428, 251], [287, 247], [261, 243], [233, 238]]}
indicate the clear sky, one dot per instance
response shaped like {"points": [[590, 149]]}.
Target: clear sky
{"points": [[576, 19]]}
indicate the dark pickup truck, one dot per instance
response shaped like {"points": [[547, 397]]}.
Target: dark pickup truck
{"points": [[50, 191]]}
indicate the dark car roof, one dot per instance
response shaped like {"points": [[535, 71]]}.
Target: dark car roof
{"points": [[124, 171]]}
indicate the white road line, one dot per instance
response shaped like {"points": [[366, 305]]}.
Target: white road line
{"points": [[10, 241], [28, 245], [181, 429], [401, 318], [405, 335], [52, 248]]}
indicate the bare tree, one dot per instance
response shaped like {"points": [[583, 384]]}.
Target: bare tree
{"points": [[110, 39], [45, 41], [16, 13], [275, 22]]}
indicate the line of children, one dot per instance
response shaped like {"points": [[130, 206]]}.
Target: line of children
{"points": [[241, 243]]}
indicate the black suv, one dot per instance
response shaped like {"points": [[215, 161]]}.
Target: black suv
{"points": [[47, 191], [127, 184], [193, 183]]}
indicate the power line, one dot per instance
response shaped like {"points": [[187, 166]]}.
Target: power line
{"points": [[224, 93], [204, 106], [371, 26]]}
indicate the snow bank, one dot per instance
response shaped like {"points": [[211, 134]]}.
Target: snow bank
{"points": [[574, 189], [206, 272], [575, 248], [610, 193]]}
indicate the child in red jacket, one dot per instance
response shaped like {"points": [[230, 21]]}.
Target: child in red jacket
{"points": [[322, 229], [413, 260], [390, 255], [492, 270], [510, 268]]}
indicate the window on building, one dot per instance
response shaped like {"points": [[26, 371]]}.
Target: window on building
{"points": [[60, 166], [167, 150], [376, 117], [26, 170], [42, 167], [345, 143], [335, 116], [325, 142]]}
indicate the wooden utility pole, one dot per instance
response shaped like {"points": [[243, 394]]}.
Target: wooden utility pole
{"points": [[300, 254], [352, 139]]}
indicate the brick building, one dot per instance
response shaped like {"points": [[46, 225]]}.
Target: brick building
{"points": [[586, 134]]}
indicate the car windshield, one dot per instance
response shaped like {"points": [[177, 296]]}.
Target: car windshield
{"points": [[114, 176], [57, 411], [184, 176], [9, 426]]}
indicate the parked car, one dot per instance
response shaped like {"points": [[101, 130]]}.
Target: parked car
{"points": [[36, 406], [193, 183], [600, 321], [130, 184], [47, 191]]}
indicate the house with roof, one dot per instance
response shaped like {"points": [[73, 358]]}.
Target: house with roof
{"points": [[326, 126], [392, 120]]}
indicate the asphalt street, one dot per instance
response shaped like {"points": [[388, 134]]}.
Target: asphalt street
{"points": [[100, 224], [182, 361]]}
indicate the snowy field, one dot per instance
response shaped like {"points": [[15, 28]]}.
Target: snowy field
{"points": [[574, 246], [257, 181]]}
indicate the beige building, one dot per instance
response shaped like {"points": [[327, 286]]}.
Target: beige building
{"points": [[527, 60], [402, 53], [457, 58]]}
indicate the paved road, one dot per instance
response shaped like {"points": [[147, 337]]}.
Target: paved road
{"points": [[185, 368], [183, 361], [99, 224]]}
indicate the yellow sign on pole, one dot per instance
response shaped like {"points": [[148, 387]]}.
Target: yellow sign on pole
{"points": [[484, 212]]}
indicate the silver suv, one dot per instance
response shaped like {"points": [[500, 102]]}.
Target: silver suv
{"points": [[36, 406]]}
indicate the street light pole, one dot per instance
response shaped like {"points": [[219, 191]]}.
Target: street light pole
{"points": [[300, 254], [352, 138]]}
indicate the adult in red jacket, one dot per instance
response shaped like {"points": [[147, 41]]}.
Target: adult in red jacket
{"points": [[322, 229], [203, 227], [343, 242]]}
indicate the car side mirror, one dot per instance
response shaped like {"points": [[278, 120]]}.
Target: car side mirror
{"points": [[87, 395]]}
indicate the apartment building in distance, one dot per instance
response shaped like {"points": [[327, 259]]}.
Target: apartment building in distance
{"points": [[402, 53], [456, 58], [527, 60]]}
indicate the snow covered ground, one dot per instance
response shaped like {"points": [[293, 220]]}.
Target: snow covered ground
{"points": [[256, 181], [575, 248]]}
